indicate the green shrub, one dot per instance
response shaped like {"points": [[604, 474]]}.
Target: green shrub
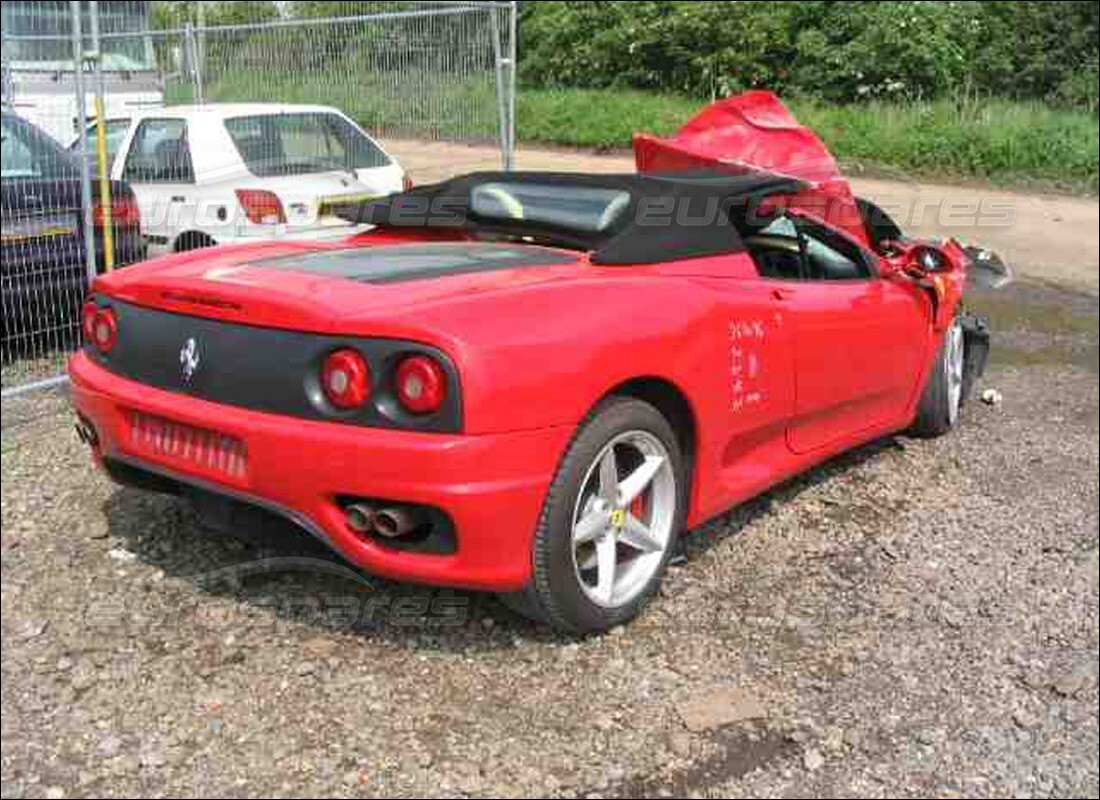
{"points": [[841, 51]]}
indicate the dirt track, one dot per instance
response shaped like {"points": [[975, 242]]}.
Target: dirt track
{"points": [[1050, 237]]}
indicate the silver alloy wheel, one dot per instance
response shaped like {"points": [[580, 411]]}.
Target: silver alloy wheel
{"points": [[953, 352], [623, 518]]}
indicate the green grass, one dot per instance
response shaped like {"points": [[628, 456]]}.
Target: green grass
{"points": [[597, 118], [1006, 143]]}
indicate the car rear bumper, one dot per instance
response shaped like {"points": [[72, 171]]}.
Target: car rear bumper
{"points": [[491, 486]]}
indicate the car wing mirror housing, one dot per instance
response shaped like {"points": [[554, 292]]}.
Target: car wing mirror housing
{"points": [[920, 259]]}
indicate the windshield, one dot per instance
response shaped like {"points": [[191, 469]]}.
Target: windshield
{"points": [[575, 208], [29, 153], [300, 143]]}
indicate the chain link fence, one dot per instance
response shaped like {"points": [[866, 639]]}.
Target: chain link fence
{"points": [[431, 84]]}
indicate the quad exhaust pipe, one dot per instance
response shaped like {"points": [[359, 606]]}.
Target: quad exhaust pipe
{"points": [[398, 521], [391, 522], [360, 517], [86, 432]]}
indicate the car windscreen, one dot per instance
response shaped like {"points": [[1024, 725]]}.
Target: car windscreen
{"points": [[29, 153], [575, 208], [302, 143]]}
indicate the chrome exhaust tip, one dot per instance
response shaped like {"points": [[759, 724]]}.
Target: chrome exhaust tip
{"points": [[86, 432], [397, 521], [360, 517]]}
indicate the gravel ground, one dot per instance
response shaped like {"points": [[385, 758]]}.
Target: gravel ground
{"points": [[916, 617]]}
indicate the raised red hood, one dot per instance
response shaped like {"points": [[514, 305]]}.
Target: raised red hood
{"points": [[752, 132]]}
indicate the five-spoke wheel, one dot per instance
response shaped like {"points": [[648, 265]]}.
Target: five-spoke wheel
{"points": [[623, 518], [611, 516], [953, 352], [945, 390]]}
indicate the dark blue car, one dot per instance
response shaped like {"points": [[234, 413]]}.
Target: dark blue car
{"points": [[42, 231]]}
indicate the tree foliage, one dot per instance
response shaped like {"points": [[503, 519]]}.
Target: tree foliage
{"points": [[173, 14], [840, 51]]}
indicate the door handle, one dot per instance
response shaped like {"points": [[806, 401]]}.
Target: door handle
{"points": [[782, 293], [178, 198]]}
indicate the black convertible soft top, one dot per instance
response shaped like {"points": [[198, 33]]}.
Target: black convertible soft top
{"points": [[666, 216]]}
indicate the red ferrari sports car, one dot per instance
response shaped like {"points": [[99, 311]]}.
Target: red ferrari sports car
{"points": [[533, 383]]}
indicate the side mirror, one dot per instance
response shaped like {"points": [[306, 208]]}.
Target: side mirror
{"points": [[916, 261], [928, 259]]}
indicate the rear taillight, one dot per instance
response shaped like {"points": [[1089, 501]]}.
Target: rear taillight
{"points": [[100, 326], [345, 379], [87, 320], [261, 206], [124, 213], [421, 384], [406, 182]]}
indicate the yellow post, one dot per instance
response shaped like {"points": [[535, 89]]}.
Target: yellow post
{"points": [[104, 185]]}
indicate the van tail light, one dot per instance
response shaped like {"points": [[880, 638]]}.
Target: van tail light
{"points": [[261, 206], [406, 182], [124, 213], [421, 384], [99, 326], [345, 379]]}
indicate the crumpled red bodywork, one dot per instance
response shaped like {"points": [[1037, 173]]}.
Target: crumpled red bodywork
{"points": [[751, 132]]}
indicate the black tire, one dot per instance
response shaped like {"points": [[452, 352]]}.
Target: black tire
{"points": [[934, 413], [555, 595]]}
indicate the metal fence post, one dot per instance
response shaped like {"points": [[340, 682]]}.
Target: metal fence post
{"points": [[81, 119], [7, 85], [499, 63], [191, 50], [513, 64], [101, 140], [200, 46]]}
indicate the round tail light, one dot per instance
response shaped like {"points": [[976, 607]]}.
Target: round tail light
{"points": [[345, 379], [421, 384], [104, 329], [87, 320]]}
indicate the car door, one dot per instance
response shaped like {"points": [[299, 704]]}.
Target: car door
{"points": [[858, 339], [158, 168], [739, 365]]}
